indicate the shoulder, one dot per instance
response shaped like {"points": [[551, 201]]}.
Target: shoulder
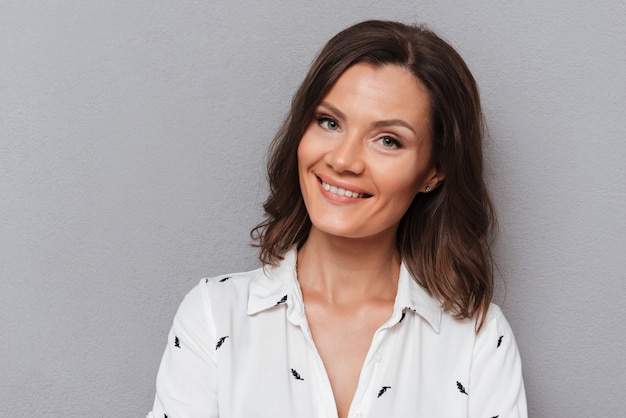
{"points": [[494, 322], [495, 334], [198, 304], [496, 327], [246, 292], [496, 372], [495, 345], [225, 289], [231, 282]]}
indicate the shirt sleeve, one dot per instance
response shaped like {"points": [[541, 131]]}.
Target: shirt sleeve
{"points": [[186, 384], [496, 383]]}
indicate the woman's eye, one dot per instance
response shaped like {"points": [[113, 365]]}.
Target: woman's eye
{"points": [[390, 142], [328, 123]]}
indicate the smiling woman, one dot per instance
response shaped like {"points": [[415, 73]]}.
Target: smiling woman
{"points": [[370, 137], [374, 298]]}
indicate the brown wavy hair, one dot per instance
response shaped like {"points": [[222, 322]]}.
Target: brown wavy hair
{"points": [[445, 236]]}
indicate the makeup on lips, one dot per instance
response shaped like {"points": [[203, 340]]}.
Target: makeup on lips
{"points": [[341, 192]]}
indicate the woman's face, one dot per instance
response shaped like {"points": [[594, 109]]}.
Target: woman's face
{"points": [[367, 152]]}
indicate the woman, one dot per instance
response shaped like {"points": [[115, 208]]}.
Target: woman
{"points": [[374, 298]]}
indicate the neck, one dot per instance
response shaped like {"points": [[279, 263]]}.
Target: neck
{"points": [[342, 269]]}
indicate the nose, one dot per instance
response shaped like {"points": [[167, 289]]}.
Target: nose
{"points": [[347, 155]]}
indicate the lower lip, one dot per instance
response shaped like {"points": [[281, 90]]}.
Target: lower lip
{"points": [[335, 198]]}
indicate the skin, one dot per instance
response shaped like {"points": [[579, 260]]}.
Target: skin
{"points": [[370, 135]]}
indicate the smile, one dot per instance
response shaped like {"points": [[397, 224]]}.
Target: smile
{"points": [[342, 192]]}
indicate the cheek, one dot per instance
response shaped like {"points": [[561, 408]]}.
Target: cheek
{"points": [[406, 185], [304, 157], [301, 151], [306, 152], [401, 195], [420, 172]]}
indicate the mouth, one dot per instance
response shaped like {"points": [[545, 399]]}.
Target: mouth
{"points": [[340, 191]]}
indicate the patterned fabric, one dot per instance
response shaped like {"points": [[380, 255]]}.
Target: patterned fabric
{"points": [[240, 347]]}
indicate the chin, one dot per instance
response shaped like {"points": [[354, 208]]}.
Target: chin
{"points": [[344, 230]]}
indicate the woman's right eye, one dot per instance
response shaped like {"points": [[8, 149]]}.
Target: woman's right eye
{"points": [[328, 123]]}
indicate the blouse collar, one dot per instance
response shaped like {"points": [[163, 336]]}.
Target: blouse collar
{"points": [[274, 286]]}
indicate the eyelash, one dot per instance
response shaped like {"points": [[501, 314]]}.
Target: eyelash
{"points": [[321, 119], [395, 142]]}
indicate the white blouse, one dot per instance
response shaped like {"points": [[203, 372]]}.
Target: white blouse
{"points": [[240, 347]]}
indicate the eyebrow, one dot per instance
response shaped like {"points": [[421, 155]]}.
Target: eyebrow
{"points": [[377, 124]]}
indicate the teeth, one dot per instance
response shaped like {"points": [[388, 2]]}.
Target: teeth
{"points": [[341, 192]]}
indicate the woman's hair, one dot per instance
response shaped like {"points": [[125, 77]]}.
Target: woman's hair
{"points": [[445, 236]]}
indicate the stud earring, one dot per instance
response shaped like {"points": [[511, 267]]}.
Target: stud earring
{"points": [[427, 189]]}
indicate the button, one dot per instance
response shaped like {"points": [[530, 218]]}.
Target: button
{"points": [[358, 415], [378, 357]]}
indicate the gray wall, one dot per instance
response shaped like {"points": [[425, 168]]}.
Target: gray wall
{"points": [[132, 142]]}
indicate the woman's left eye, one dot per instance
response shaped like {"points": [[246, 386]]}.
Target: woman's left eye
{"points": [[389, 142], [328, 123]]}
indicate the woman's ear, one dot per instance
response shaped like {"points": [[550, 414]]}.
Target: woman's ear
{"points": [[436, 178]]}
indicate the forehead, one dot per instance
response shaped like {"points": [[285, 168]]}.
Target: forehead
{"points": [[381, 91]]}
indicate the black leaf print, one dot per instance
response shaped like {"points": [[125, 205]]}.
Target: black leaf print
{"points": [[402, 317], [383, 390], [500, 340], [461, 388], [282, 300], [164, 415], [176, 342], [220, 342], [206, 281], [496, 416], [296, 375], [224, 279]]}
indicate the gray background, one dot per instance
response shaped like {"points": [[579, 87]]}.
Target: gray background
{"points": [[132, 147]]}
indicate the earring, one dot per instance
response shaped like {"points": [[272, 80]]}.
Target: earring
{"points": [[427, 189]]}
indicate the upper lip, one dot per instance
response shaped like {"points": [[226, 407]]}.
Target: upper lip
{"points": [[340, 184]]}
